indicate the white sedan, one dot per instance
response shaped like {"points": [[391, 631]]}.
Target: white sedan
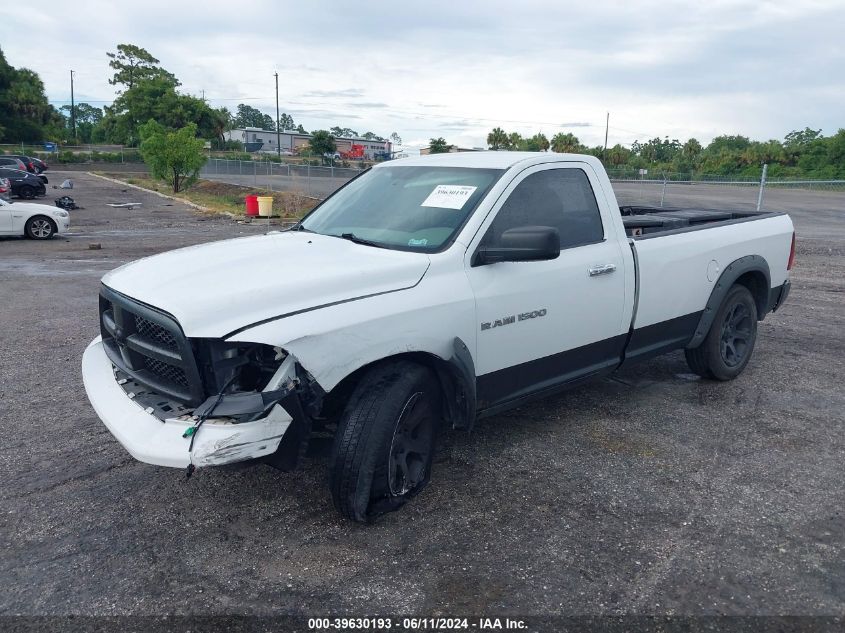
{"points": [[36, 221]]}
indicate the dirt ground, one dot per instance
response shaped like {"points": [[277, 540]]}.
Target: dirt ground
{"points": [[652, 492]]}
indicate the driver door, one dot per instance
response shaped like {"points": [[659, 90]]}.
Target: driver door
{"points": [[545, 323], [5, 217]]}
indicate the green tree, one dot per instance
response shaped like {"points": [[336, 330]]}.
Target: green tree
{"points": [[87, 118], [836, 153], [372, 136], [691, 150], [157, 99], [286, 122], [497, 139], [729, 143], [25, 113], [536, 143], [175, 156], [565, 143], [395, 138], [132, 64], [343, 132], [618, 155], [221, 120], [267, 123], [322, 143], [657, 150], [799, 138], [438, 146], [247, 116]]}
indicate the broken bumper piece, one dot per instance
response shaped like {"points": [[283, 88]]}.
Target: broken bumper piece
{"points": [[161, 442]]}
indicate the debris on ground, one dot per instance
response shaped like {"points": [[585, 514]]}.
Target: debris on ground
{"points": [[67, 203], [124, 205]]}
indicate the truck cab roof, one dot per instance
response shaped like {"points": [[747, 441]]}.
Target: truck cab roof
{"points": [[491, 159]]}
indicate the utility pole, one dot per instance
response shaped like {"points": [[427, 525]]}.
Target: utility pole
{"points": [[72, 108], [278, 131], [606, 129]]}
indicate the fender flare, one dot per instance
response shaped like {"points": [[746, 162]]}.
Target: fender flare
{"points": [[462, 403], [735, 270]]}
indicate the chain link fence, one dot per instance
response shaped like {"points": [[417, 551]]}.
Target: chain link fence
{"points": [[720, 192], [701, 191], [310, 180]]}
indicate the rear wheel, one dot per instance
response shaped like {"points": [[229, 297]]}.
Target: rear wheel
{"points": [[385, 441], [40, 228], [727, 348]]}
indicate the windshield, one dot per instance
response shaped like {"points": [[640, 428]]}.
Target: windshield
{"points": [[405, 208]]}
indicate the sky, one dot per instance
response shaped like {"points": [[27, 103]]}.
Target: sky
{"points": [[457, 69]]}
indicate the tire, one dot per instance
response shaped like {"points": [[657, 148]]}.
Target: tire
{"points": [[383, 449], [27, 192], [40, 228], [727, 348]]}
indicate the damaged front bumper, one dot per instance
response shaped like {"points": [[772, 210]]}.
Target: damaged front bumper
{"points": [[155, 441]]}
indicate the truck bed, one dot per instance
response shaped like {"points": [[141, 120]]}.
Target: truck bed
{"points": [[646, 221]]}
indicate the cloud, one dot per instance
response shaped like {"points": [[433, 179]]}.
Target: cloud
{"points": [[333, 115], [366, 104], [681, 69], [346, 92]]}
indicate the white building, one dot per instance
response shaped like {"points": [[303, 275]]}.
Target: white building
{"points": [[258, 140]]}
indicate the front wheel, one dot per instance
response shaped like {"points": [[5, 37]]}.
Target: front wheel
{"points": [[40, 228], [726, 349], [27, 192], [385, 441]]}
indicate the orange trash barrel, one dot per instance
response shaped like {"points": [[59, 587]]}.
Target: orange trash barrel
{"points": [[252, 205]]}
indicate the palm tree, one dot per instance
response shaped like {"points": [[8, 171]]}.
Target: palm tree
{"points": [[220, 122], [691, 149], [540, 141], [498, 139], [565, 143], [618, 155]]}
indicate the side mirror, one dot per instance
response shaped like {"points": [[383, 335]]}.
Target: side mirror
{"points": [[522, 244]]}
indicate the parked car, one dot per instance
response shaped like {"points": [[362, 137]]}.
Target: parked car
{"points": [[5, 189], [36, 221], [28, 163], [12, 161], [427, 291], [40, 165], [24, 184]]}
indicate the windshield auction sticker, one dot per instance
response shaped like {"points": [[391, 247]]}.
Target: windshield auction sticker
{"points": [[449, 196]]}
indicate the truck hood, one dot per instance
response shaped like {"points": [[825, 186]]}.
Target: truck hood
{"points": [[217, 288]]}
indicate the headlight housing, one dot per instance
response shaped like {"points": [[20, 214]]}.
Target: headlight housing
{"points": [[61, 214], [235, 367]]}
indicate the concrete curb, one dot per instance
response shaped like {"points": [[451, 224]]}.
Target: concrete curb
{"points": [[194, 205]]}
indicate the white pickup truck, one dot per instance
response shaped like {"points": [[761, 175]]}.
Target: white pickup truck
{"points": [[427, 291]]}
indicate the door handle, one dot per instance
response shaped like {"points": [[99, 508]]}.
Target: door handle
{"points": [[604, 269]]}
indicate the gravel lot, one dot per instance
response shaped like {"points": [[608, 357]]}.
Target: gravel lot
{"points": [[649, 493]]}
